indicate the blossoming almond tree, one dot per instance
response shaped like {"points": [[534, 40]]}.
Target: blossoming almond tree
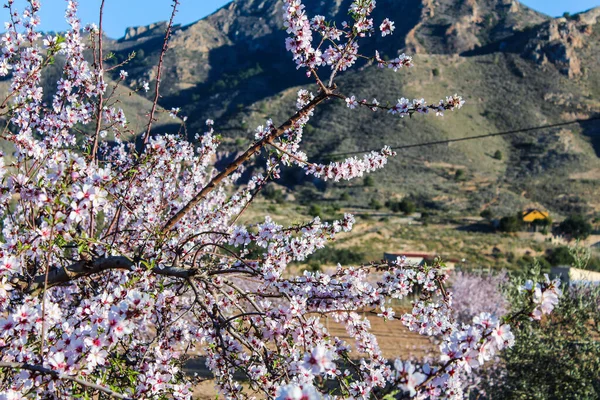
{"points": [[116, 261]]}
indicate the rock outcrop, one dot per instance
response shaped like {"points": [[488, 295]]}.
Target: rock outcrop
{"points": [[135, 32], [558, 40]]}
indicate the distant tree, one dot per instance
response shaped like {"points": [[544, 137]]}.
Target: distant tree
{"points": [[487, 214], [369, 181], [375, 204], [498, 155], [435, 72], [555, 358], [393, 206], [527, 260], [330, 255], [270, 193], [560, 256], [511, 223], [459, 175], [544, 223], [407, 207], [474, 292], [576, 227], [315, 211]]}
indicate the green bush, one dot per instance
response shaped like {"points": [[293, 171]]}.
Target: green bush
{"points": [[527, 260], [231, 81], [375, 204], [308, 196], [560, 256], [329, 255], [459, 175], [369, 181], [544, 223], [576, 227], [510, 257], [511, 223], [405, 206], [486, 214], [314, 266], [270, 193], [498, 155], [594, 264], [556, 358], [315, 211]]}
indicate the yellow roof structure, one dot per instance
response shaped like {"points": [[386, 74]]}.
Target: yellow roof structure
{"points": [[533, 215]]}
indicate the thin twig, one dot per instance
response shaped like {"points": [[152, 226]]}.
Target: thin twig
{"points": [[159, 72], [99, 69]]}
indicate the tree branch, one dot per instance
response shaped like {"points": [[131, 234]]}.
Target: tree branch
{"points": [[58, 375], [159, 72], [100, 68], [61, 275], [206, 190]]}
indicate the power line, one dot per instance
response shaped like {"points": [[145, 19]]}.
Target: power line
{"points": [[447, 141]]}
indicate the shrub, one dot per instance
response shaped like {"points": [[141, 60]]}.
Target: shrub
{"points": [[332, 256], [405, 206], [560, 256], [527, 260], [308, 196], [314, 266], [575, 227], [375, 204], [486, 214], [556, 358], [369, 181], [511, 223], [270, 193], [315, 211], [498, 155]]}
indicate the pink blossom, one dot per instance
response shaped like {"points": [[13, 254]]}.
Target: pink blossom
{"points": [[319, 360]]}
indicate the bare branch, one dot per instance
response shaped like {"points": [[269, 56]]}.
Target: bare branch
{"points": [[99, 68], [159, 72]]}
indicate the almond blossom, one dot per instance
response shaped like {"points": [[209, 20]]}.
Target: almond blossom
{"points": [[119, 263]]}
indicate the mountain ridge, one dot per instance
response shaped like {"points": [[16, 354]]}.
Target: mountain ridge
{"points": [[516, 68]]}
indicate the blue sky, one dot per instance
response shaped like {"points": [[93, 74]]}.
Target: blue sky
{"points": [[123, 13]]}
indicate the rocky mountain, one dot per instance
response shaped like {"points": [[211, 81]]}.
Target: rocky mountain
{"points": [[516, 68]]}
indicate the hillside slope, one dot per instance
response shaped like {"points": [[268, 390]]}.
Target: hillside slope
{"points": [[515, 67]]}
